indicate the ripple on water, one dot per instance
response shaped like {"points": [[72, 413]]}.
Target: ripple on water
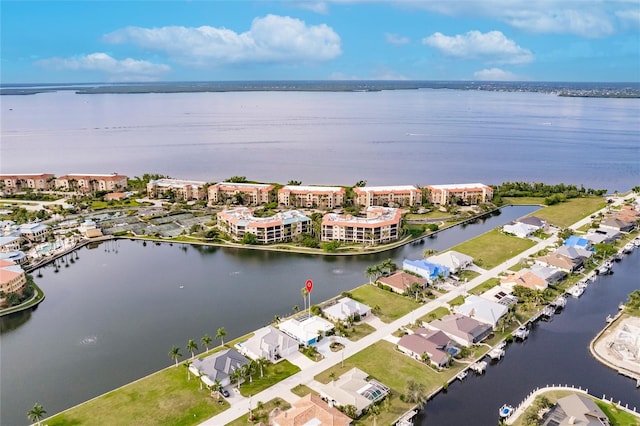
{"points": [[91, 340]]}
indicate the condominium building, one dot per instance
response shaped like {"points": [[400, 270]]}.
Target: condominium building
{"points": [[91, 182], [20, 182], [405, 195], [472, 193], [326, 197], [12, 278], [251, 193], [381, 225], [182, 189], [273, 229]]}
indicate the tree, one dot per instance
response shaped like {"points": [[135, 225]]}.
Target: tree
{"points": [[351, 411], [192, 346], [262, 362], [206, 341], [187, 364], [36, 413], [250, 370], [174, 353], [220, 334], [375, 412], [416, 393], [304, 293]]}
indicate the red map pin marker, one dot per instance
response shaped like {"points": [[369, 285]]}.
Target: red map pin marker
{"points": [[309, 285]]}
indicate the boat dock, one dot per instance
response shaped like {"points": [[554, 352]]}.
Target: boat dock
{"points": [[478, 367]]}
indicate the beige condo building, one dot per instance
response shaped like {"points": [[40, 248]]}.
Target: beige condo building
{"points": [[382, 225], [20, 182], [472, 193], [274, 229], [91, 182], [182, 189], [251, 193], [403, 196], [12, 278], [326, 197]]}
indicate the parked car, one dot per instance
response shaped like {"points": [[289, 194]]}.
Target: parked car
{"points": [[224, 392]]}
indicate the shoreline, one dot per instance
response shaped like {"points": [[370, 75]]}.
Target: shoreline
{"points": [[602, 358]]}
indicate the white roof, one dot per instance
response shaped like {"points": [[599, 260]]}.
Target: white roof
{"points": [[451, 259], [482, 309], [307, 329], [345, 307]]}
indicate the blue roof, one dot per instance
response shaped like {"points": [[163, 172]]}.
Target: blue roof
{"points": [[432, 269], [575, 241]]}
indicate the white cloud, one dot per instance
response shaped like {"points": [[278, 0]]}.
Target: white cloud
{"points": [[116, 70], [496, 74], [277, 39], [320, 7], [491, 47], [629, 17], [396, 39]]}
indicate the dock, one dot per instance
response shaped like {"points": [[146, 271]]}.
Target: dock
{"points": [[478, 367]]}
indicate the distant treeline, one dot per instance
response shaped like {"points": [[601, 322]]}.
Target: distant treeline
{"points": [[552, 194]]}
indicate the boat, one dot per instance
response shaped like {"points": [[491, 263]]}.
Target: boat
{"points": [[628, 248], [462, 375], [478, 367], [521, 333], [575, 291], [505, 411], [636, 242], [560, 302], [617, 257], [496, 353], [548, 311], [621, 306]]}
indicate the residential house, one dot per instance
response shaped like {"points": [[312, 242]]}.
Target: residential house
{"points": [[427, 270], [563, 263], [181, 189], [392, 196], [381, 225], [521, 230], [269, 343], [306, 331], [432, 343], [12, 278], [400, 281], [9, 243], [463, 330], [249, 193], [453, 260], [577, 242], [273, 229], [324, 197], [481, 309], [550, 275], [525, 278], [534, 222], [344, 308], [576, 409], [602, 235], [34, 232], [576, 252], [20, 182], [219, 366], [472, 193], [91, 182], [353, 388], [15, 256], [311, 410], [618, 224]]}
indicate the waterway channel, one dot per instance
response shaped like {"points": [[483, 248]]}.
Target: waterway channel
{"points": [[113, 313]]}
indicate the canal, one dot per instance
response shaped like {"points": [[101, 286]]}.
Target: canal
{"points": [[556, 352]]}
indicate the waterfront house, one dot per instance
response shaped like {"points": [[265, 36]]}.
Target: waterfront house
{"points": [[34, 232], [576, 409], [353, 388], [563, 263], [463, 330], [525, 278], [549, 274], [577, 242], [400, 281], [602, 235], [432, 343], [574, 253], [471, 193], [427, 270], [344, 308], [521, 230], [12, 278], [91, 182], [392, 196], [324, 197], [15, 256], [534, 222], [248, 193], [618, 224], [218, 366], [9, 243], [481, 309], [311, 410], [12, 183], [269, 343], [273, 229], [453, 260], [182, 189], [381, 225], [306, 330]]}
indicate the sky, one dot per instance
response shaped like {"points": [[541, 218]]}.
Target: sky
{"points": [[196, 40]]}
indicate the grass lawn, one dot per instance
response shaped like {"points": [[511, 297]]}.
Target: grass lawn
{"points": [[488, 284], [376, 360], [524, 200], [273, 374], [163, 398], [571, 211], [492, 248], [457, 301], [437, 313], [261, 412], [99, 205], [359, 330], [392, 306], [301, 390], [435, 214], [468, 275]]}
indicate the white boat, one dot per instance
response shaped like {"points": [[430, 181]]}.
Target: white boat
{"points": [[478, 367], [628, 248], [505, 411], [521, 333], [636, 242], [609, 319], [462, 375], [560, 302], [548, 311], [496, 353], [575, 291]]}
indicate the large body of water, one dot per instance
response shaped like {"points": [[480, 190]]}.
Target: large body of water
{"points": [[112, 315], [390, 137]]}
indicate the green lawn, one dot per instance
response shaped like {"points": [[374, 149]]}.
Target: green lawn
{"points": [[163, 398], [359, 330], [392, 305], [571, 211], [457, 301], [468, 275], [617, 416], [524, 200], [437, 313], [301, 390], [488, 284], [273, 374], [261, 412], [492, 248]]}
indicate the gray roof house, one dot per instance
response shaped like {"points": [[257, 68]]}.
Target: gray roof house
{"points": [[533, 221], [618, 224], [576, 409], [269, 343], [461, 329], [574, 252], [481, 309], [547, 273], [218, 366]]}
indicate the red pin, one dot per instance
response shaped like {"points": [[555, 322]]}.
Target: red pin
{"points": [[309, 286]]}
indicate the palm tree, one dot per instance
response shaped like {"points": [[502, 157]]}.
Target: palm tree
{"points": [[375, 411], [262, 362], [187, 364], [36, 413], [192, 346], [250, 370], [237, 375], [206, 341], [200, 373], [370, 272], [216, 387], [304, 293], [174, 353], [220, 335]]}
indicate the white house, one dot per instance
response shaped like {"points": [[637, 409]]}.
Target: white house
{"points": [[308, 331], [481, 309], [518, 229], [269, 343], [353, 388], [453, 260], [34, 231], [344, 308]]}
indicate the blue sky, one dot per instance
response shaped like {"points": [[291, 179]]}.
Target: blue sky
{"points": [[125, 41]]}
